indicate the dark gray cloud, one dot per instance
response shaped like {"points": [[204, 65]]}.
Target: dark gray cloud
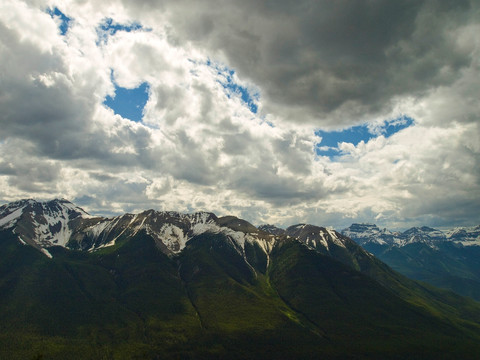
{"points": [[25, 173], [267, 185], [321, 57]]}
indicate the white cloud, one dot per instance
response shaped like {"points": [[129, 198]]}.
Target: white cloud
{"points": [[201, 148]]}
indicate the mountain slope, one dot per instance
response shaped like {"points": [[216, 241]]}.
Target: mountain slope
{"points": [[168, 285], [365, 317]]}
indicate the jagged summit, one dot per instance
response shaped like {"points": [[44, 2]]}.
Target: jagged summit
{"points": [[61, 223], [42, 224]]}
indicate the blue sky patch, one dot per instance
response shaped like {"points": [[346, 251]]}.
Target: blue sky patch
{"points": [[351, 135], [108, 27], [354, 135], [232, 88], [129, 103], [64, 20], [394, 126]]}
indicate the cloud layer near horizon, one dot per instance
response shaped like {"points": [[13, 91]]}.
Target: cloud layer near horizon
{"points": [[314, 65]]}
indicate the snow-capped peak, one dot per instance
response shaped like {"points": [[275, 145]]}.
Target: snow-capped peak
{"points": [[41, 223]]}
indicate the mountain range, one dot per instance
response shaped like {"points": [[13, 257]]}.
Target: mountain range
{"points": [[448, 259], [368, 234], [157, 285]]}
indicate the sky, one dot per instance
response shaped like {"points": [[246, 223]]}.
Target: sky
{"points": [[282, 112]]}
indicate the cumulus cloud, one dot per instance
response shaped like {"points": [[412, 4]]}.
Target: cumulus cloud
{"points": [[201, 145]]}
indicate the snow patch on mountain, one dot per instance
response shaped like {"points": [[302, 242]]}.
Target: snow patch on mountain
{"points": [[10, 219], [172, 236], [46, 252], [335, 239], [98, 228], [52, 228]]}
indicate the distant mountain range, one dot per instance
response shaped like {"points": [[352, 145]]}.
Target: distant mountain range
{"points": [[158, 285], [367, 234], [447, 259]]}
